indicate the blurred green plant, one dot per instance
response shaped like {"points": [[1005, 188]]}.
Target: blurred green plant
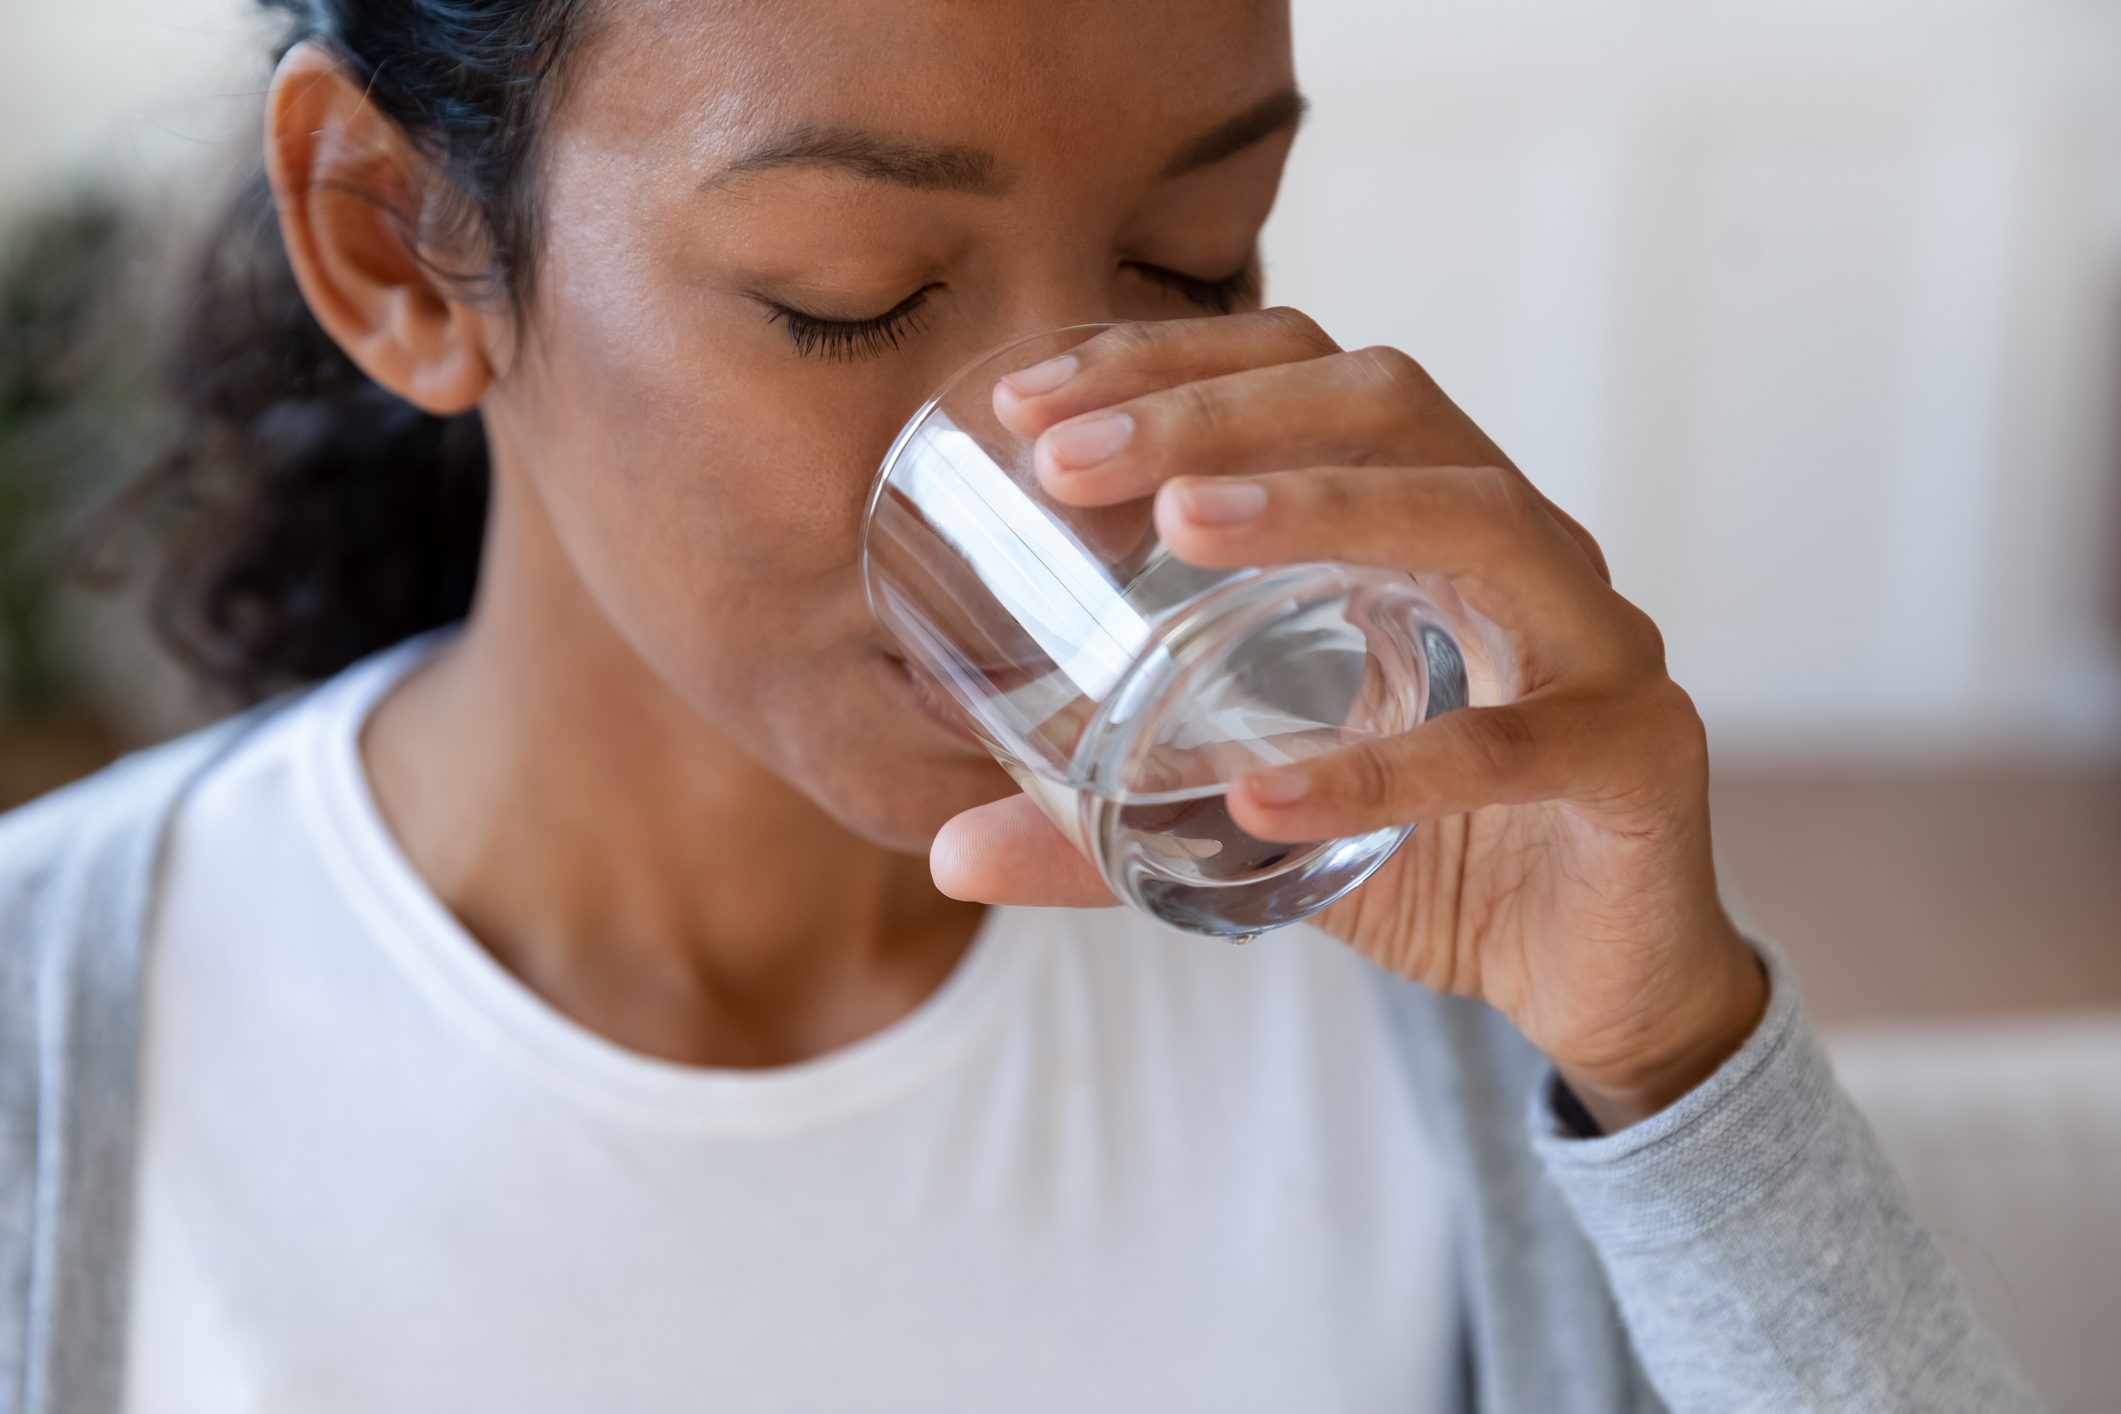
{"points": [[75, 400]]}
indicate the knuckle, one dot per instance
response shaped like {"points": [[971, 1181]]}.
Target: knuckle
{"points": [[1203, 411], [1405, 400], [1677, 708], [1587, 542], [1640, 640], [1334, 499], [1675, 737], [1299, 329], [1499, 742], [1393, 368], [1368, 779], [1504, 510], [1504, 493], [1124, 343], [1649, 643]]}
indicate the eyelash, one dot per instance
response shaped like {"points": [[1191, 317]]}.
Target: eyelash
{"points": [[844, 340], [1218, 296]]}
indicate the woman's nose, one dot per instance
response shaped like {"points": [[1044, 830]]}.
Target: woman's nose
{"points": [[1056, 300]]}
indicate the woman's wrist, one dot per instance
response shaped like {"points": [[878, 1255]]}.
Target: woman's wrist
{"points": [[1721, 1007]]}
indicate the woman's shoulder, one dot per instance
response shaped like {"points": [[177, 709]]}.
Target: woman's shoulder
{"points": [[76, 866], [95, 828]]}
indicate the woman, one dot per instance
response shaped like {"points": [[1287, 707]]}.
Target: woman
{"points": [[602, 1001]]}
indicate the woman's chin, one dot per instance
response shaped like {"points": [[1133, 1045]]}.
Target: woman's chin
{"points": [[900, 804], [890, 759]]}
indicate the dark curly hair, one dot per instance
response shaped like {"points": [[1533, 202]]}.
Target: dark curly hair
{"points": [[304, 515]]}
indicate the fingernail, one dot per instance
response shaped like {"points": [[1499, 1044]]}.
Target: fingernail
{"points": [[1041, 378], [1089, 440], [1280, 787], [1221, 502]]}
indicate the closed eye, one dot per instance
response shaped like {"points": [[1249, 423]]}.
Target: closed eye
{"points": [[843, 340], [1218, 294]]}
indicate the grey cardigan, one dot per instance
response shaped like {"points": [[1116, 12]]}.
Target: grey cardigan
{"points": [[1748, 1249]]}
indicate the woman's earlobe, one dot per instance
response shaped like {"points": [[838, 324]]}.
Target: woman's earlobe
{"points": [[350, 191], [443, 353]]}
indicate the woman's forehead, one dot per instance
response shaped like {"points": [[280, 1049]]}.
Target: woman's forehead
{"points": [[708, 84]]}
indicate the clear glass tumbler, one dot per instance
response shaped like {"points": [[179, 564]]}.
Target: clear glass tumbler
{"points": [[1124, 689]]}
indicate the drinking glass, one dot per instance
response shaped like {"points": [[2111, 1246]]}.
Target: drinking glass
{"points": [[1124, 689]]}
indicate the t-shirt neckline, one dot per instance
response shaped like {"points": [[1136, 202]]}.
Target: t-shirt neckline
{"points": [[512, 1021]]}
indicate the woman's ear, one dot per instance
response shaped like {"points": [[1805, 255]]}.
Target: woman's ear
{"points": [[353, 197]]}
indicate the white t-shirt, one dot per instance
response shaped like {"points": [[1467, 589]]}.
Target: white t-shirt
{"points": [[1103, 1167]]}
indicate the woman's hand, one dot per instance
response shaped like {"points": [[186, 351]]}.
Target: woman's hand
{"points": [[1562, 870]]}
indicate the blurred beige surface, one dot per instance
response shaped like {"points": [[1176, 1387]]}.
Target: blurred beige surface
{"points": [[1921, 892]]}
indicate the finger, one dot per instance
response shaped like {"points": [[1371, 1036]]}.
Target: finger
{"points": [[1128, 360], [1237, 394], [1591, 548], [1008, 852], [1370, 406], [1165, 355], [1482, 528], [1584, 748]]}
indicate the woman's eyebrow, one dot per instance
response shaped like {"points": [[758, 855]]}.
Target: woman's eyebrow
{"points": [[925, 166], [1284, 109], [921, 165]]}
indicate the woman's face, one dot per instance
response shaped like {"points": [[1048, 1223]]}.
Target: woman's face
{"points": [[719, 177]]}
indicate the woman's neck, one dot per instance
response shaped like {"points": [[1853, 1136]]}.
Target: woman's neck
{"points": [[642, 874]]}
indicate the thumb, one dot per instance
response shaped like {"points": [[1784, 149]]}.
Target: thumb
{"points": [[1008, 852]]}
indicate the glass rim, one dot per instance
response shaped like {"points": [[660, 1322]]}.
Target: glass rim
{"points": [[920, 415]]}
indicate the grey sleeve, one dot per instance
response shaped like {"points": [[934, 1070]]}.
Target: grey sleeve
{"points": [[1762, 1250]]}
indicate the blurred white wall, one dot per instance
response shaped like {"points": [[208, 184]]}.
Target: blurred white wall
{"points": [[137, 91], [1810, 310]]}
